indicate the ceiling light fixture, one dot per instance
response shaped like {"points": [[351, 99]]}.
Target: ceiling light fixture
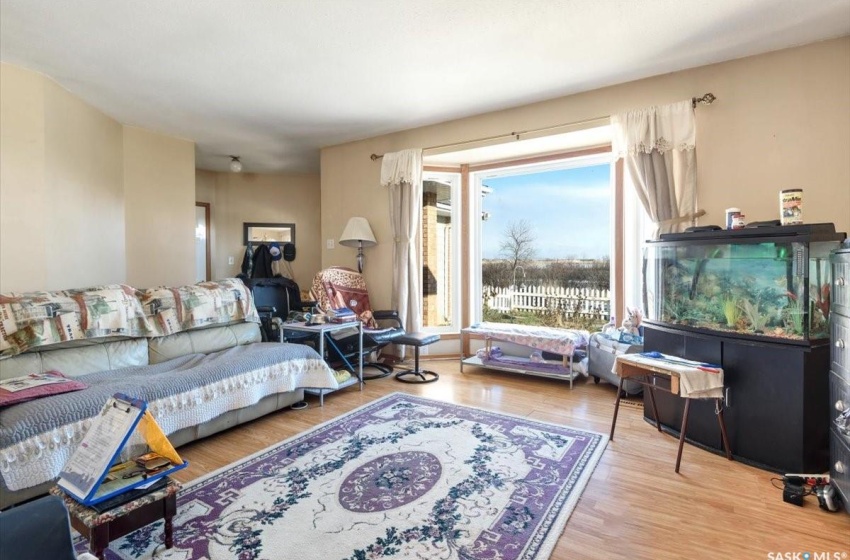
{"points": [[235, 164]]}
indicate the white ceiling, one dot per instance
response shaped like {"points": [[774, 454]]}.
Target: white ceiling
{"points": [[275, 80]]}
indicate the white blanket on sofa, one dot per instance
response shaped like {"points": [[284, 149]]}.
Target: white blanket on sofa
{"points": [[38, 437]]}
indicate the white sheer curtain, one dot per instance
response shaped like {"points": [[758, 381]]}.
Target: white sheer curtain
{"points": [[401, 172], [659, 147]]}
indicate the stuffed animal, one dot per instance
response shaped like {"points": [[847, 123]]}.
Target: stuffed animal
{"points": [[632, 323]]}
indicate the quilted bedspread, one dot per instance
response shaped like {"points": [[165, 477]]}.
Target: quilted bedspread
{"points": [[547, 339], [38, 437]]}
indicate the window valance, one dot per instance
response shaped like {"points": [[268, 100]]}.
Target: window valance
{"points": [[400, 167], [662, 128]]}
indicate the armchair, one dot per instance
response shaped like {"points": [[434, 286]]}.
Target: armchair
{"points": [[338, 288]]}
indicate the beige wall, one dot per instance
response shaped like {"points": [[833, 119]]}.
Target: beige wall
{"points": [[85, 200], [85, 193], [160, 209], [205, 185], [22, 192], [61, 166], [236, 198], [780, 121]]}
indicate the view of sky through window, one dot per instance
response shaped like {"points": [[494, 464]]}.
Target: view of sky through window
{"points": [[568, 210]]}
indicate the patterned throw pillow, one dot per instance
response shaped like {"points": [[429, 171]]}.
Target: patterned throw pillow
{"points": [[33, 386], [172, 310], [37, 319]]}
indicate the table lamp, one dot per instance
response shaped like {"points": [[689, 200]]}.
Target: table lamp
{"points": [[357, 233]]}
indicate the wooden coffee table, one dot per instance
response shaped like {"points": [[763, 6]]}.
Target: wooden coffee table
{"points": [[101, 528]]}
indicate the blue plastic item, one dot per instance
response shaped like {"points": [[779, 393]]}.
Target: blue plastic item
{"points": [[675, 360]]}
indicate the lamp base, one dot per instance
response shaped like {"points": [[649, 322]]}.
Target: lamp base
{"points": [[360, 258]]}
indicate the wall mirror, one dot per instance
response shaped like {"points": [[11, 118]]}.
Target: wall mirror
{"points": [[257, 232]]}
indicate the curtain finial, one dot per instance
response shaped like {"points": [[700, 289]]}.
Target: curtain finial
{"points": [[706, 99]]}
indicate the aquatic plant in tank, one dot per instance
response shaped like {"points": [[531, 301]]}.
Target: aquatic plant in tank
{"points": [[820, 280], [763, 289]]}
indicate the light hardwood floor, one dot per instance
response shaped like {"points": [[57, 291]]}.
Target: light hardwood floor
{"points": [[635, 506]]}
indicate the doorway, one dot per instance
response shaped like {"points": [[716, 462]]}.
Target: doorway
{"points": [[202, 242]]}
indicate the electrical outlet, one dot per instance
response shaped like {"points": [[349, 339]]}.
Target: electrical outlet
{"points": [[230, 260], [330, 244]]}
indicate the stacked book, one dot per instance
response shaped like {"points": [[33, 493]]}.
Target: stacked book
{"points": [[344, 315]]}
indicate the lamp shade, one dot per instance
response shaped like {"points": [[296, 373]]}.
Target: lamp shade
{"points": [[357, 233]]}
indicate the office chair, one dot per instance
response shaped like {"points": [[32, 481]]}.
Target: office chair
{"points": [[275, 298]]}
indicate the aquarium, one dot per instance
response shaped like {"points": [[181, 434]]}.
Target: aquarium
{"points": [[769, 282]]}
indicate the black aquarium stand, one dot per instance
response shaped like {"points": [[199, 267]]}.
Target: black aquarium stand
{"points": [[776, 414]]}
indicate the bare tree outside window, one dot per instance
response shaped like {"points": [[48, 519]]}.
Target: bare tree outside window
{"points": [[545, 245], [518, 243]]}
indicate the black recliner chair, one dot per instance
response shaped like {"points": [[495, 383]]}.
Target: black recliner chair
{"points": [[338, 288]]}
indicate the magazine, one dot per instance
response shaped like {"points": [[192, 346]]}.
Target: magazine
{"points": [[16, 384]]}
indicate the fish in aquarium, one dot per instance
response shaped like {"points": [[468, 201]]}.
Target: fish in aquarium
{"points": [[778, 289], [744, 300]]}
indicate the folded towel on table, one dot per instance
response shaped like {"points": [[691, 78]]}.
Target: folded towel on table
{"points": [[697, 380]]}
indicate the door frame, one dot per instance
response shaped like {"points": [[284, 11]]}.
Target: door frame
{"points": [[206, 207]]}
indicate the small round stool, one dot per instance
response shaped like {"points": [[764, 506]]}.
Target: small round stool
{"points": [[416, 375]]}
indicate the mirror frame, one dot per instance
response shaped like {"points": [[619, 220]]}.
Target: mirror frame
{"points": [[247, 226]]}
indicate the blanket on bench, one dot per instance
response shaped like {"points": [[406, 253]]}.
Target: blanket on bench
{"points": [[547, 339]]}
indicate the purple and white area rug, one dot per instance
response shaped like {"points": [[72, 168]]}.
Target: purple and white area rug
{"points": [[401, 477]]}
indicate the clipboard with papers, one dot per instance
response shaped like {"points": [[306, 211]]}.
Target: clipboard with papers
{"points": [[93, 475]]}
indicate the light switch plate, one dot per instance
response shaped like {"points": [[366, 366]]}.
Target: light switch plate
{"points": [[230, 260], [330, 244]]}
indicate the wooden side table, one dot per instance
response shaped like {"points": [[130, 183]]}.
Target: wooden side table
{"points": [[645, 371], [102, 528]]}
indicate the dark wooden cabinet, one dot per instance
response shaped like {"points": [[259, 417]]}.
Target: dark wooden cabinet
{"points": [[839, 377], [776, 399]]}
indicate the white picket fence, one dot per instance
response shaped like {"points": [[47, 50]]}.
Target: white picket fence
{"points": [[540, 299]]}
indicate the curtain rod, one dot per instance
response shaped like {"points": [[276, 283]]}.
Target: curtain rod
{"points": [[706, 99]]}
